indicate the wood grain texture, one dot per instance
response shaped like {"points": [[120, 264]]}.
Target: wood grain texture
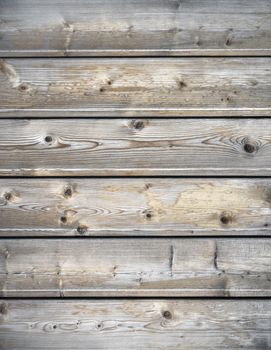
{"points": [[135, 267], [127, 207], [106, 147], [159, 324], [135, 87], [138, 27]]}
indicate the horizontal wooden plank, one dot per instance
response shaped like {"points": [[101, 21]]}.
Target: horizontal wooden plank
{"points": [[135, 87], [138, 27], [135, 324], [135, 267], [127, 207], [107, 147]]}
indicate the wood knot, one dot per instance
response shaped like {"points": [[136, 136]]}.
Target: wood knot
{"points": [[167, 315], [63, 219], [147, 186], [138, 124], [228, 42], [48, 139], [249, 148], [182, 84], [82, 230], [225, 219], [99, 325], [22, 87], [148, 214], [8, 196], [67, 192]]}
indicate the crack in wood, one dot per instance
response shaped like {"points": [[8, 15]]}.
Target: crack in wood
{"points": [[215, 255], [171, 257]]}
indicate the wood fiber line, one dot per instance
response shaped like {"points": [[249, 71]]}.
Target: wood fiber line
{"points": [[135, 87], [135, 28], [110, 147], [132, 324], [127, 207], [135, 267]]}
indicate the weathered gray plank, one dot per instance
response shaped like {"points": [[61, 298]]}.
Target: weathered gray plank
{"points": [[171, 206], [135, 324], [135, 147], [138, 27], [136, 87], [135, 267]]}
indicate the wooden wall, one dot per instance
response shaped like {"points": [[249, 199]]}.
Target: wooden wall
{"points": [[135, 174]]}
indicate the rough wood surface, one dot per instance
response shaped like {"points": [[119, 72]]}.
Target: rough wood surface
{"points": [[89, 265], [135, 87], [107, 147], [135, 267], [149, 206], [159, 324], [138, 27]]}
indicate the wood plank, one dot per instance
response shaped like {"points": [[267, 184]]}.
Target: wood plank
{"points": [[135, 324], [135, 87], [135, 267], [127, 207], [106, 147], [138, 27]]}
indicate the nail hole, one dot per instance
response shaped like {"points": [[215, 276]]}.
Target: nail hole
{"points": [[63, 219], [167, 314], [54, 326], [109, 82], [48, 139], [82, 229], [102, 89], [249, 148]]}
